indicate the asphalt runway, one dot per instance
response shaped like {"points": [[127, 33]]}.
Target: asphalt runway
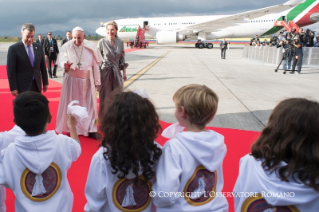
{"points": [[247, 90]]}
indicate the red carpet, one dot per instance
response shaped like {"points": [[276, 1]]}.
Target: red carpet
{"points": [[238, 144]]}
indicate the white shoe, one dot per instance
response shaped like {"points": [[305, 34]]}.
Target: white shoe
{"points": [[296, 72]]}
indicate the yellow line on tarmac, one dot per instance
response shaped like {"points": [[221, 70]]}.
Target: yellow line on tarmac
{"points": [[139, 74]]}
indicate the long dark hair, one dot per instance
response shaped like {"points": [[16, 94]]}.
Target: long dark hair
{"points": [[130, 127], [291, 136]]}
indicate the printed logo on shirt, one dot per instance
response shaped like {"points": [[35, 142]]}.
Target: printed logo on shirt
{"points": [[200, 187], [258, 204], [47, 185], [128, 196]]}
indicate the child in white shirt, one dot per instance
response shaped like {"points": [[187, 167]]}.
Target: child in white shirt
{"points": [[122, 171], [35, 166], [282, 171], [7, 138], [189, 172]]}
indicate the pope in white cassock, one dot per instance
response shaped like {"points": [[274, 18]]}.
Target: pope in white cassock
{"points": [[129, 197], [80, 61], [200, 190]]}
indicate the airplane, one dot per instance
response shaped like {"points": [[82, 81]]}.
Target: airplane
{"points": [[265, 21]]}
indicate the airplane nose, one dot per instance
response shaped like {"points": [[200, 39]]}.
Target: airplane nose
{"points": [[101, 31]]}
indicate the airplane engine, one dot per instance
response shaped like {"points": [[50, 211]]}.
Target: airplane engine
{"points": [[169, 37]]}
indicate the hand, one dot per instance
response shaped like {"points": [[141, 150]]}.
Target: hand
{"points": [[14, 92], [45, 88], [71, 122], [67, 66], [46, 56], [124, 76]]}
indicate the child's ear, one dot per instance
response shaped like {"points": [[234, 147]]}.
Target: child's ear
{"points": [[49, 118], [184, 114]]}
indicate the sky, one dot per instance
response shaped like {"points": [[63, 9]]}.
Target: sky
{"points": [[63, 15]]}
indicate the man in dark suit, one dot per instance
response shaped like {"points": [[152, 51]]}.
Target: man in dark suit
{"points": [[68, 37], [223, 47], [26, 64], [51, 52], [40, 40]]}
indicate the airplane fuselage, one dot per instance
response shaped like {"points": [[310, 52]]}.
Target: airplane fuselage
{"points": [[263, 25]]}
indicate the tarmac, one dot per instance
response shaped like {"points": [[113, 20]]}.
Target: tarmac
{"points": [[248, 91]]}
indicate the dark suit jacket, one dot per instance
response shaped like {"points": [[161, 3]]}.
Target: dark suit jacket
{"points": [[222, 44], [38, 41], [64, 41], [20, 71], [46, 48]]}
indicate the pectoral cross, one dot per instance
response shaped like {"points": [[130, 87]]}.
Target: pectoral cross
{"points": [[79, 64]]}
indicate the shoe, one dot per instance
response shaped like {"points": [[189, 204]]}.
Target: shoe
{"points": [[297, 72], [293, 72], [50, 76], [95, 135], [55, 76]]}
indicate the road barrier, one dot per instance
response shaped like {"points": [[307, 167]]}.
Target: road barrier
{"points": [[273, 55]]}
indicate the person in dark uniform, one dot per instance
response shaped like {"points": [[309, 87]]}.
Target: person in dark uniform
{"points": [[51, 51], [68, 37], [40, 40], [223, 47], [297, 59]]}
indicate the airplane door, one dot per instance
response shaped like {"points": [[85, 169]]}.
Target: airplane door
{"points": [[283, 18], [145, 25]]}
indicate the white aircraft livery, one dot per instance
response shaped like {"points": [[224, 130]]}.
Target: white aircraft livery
{"points": [[265, 21]]}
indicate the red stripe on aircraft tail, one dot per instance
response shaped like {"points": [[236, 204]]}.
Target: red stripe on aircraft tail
{"points": [[305, 20]]}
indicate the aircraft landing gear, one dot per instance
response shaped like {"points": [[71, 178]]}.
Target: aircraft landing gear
{"points": [[202, 45]]}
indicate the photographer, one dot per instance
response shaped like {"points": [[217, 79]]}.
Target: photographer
{"points": [[301, 35], [281, 36], [297, 57], [287, 54], [309, 36], [273, 42], [317, 41]]}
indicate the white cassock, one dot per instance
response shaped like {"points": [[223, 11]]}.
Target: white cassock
{"points": [[199, 191], [7, 138], [129, 197], [268, 210], [79, 84]]}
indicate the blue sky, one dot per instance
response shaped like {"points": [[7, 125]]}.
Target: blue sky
{"points": [[52, 15]]}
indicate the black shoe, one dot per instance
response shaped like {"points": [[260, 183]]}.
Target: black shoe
{"points": [[55, 76], [50, 76], [95, 136]]}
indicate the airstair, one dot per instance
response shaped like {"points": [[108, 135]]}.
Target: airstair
{"points": [[288, 26], [140, 37]]}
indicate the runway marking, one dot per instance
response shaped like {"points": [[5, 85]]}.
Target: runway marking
{"points": [[139, 74]]}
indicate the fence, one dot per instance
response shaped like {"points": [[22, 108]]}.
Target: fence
{"points": [[273, 55]]}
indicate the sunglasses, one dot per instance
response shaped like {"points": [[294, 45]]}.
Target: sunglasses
{"points": [[49, 34]]}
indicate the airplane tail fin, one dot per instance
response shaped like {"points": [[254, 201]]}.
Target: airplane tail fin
{"points": [[305, 13]]}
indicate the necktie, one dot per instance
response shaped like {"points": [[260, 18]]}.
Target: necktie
{"points": [[31, 58]]}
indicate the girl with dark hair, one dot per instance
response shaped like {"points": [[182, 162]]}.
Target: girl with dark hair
{"points": [[283, 167], [122, 170]]}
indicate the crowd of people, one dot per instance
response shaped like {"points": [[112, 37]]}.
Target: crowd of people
{"points": [[130, 171], [307, 38], [292, 43]]}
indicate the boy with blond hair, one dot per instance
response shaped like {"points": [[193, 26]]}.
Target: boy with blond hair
{"points": [[190, 155]]}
